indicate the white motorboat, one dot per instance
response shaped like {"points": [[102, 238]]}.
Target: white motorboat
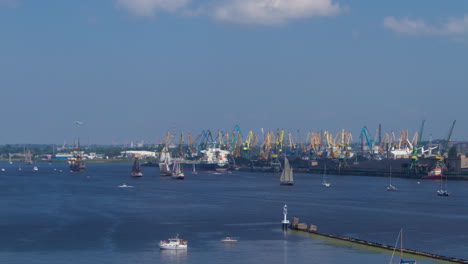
{"points": [[125, 186], [173, 243], [229, 240]]}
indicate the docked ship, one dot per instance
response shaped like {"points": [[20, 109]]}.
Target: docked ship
{"points": [[213, 159]]}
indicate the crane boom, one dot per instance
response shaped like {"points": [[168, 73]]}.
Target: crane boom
{"points": [[446, 142]]}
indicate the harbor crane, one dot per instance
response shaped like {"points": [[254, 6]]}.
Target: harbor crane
{"points": [[443, 150], [365, 135]]}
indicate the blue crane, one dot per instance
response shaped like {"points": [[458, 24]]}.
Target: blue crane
{"points": [[365, 134]]}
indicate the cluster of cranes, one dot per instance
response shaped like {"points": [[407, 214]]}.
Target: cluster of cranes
{"points": [[403, 146], [324, 144]]}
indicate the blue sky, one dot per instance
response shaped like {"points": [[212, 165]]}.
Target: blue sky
{"points": [[132, 69]]}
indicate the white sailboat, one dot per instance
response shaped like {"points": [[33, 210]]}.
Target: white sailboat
{"points": [[390, 187], [324, 179], [194, 171], [176, 171], [164, 162], [287, 174], [443, 187], [400, 239]]}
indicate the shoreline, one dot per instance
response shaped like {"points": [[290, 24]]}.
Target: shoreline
{"points": [[301, 227]]}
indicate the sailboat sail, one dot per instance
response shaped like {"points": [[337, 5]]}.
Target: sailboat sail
{"points": [[443, 187], [324, 179], [287, 174], [400, 239], [390, 187], [136, 170], [164, 162], [177, 172]]}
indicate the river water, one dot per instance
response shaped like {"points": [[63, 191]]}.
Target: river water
{"points": [[55, 216]]}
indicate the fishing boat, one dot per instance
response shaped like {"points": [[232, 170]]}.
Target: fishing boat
{"points": [[177, 173], [400, 239], [442, 191], [229, 240], [287, 174], [173, 243], [194, 171], [324, 179], [390, 187], [136, 170]]}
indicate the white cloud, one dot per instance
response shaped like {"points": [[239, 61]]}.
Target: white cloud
{"points": [[452, 26], [149, 7], [270, 12]]}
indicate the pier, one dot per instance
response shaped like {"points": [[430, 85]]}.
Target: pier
{"points": [[296, 225]]}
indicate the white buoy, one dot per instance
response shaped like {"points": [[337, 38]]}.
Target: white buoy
{"points": [[285, 222]]}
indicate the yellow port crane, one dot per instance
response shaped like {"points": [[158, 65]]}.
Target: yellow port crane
{"points": [[266, 146], [279, 137], [191, 149]]}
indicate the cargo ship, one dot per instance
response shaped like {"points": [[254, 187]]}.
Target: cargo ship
{"points": [[212, 159]]}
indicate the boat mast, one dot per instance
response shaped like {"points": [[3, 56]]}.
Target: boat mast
{"points": [[401, 243]]}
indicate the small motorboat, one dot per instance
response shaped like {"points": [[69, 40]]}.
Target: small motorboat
{"points": [[173, 243], [392, 188], [125, 186], [229, 240]]}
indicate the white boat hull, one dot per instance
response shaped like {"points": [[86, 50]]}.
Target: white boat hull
{"points": [[172, 246]]}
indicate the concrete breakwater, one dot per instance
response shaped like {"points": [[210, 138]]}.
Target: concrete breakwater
{"points": [[296, 225]]}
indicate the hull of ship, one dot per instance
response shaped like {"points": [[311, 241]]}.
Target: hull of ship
{"points": [[205, 166], [433, 177], [77, 167], [287, 183], [373, 167], [166, 174], [172, 247]]}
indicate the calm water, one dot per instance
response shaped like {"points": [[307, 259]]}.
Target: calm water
{"points": [[54, 216]]}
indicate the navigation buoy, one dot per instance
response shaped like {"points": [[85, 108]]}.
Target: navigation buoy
{"points": [[285, 222]]}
